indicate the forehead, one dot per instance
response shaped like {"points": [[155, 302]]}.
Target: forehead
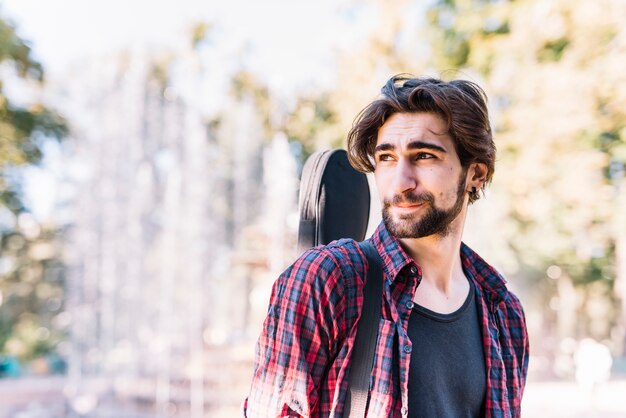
{"points": [[402, 128]]}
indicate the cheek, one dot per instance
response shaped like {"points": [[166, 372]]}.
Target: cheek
{"points": [[446, 186], [379, 180], [380, 175], [384, 184], [452, 194]]}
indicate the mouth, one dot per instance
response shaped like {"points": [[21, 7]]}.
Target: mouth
{"points": [[407, 207]]}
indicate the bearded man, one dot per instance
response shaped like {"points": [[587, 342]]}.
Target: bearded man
{"points": [[452, 340]]}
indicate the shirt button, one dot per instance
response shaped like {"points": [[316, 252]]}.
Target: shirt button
{"points": [[410, 305], [413, 270], [404, 410], [407, 349]]}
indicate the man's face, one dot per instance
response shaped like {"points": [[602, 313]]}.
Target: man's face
{"points": [[419, 176]]}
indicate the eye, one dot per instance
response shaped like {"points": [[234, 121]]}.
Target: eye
{"points": [[384, 157], [424, 156]]}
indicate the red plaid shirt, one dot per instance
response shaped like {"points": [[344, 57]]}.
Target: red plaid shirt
{"points": [[302, 358]]}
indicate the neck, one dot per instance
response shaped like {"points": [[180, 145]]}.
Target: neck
{"points": [[439, 256]]}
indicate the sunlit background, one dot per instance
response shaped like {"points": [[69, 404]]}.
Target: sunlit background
{"points": [[150, 154]]}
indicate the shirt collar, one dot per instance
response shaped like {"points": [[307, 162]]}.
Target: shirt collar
{"points": [[484, 275], [395, 259], [393, 256]]}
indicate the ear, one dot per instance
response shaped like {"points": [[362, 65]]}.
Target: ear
{"points": [[476, 175]]}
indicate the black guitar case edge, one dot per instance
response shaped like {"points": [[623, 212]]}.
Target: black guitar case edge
{"points": [[334, 200]]}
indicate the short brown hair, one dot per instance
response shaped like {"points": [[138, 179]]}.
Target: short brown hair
{"points": [[461, 104]]}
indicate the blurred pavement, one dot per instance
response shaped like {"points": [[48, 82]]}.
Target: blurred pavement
{"points": [[561, 399], [43, 398]]}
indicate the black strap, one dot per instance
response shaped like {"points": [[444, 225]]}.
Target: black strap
{"points": [[362, 359]]}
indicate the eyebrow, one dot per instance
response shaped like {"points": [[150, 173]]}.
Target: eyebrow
{"points": [[413, 145]]}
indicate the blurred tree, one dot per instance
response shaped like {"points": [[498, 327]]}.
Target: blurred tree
{"points": [[22, 130], [392, 47], [31, 291], [312, 122], [557, 89], [31, 319], [245, 85], [321, 119]]}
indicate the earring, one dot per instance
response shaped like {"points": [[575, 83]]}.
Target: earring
{"points": [[474, 194]]}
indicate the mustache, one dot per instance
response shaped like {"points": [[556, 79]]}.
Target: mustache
{"points": [[409, 198]]}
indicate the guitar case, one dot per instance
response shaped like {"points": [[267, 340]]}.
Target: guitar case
{"points": [[334, 200]]}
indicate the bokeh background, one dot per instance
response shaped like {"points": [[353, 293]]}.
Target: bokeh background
{"points": [[150, 155]]}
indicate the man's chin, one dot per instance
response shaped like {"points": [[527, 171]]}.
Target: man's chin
{"points": [[401, 227], [405, 221]]}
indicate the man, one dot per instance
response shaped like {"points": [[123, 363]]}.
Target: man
{"points": [[452, 339]]}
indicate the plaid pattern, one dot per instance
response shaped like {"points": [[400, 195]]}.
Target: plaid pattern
{"points": [[302, 357]]}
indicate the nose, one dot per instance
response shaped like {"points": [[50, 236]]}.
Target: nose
{"points": [[404, 179]]}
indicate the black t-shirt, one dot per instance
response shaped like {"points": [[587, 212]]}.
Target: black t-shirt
{"points": [[447, 375]]}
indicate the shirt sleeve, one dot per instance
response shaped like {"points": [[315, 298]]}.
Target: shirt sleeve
{"points": [[523, 348], [516, 324], [298, 338]]}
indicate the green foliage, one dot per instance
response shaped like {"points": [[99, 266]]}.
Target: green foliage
{"points": [[496, 27], [456, 48], [32, 290], [15, 50], [200, 33], [460, 31], [311, 123], [553, 50], [31, 280], [22, 130], [11, 200], [246, 84]]}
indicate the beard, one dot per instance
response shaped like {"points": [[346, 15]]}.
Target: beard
{"points": [[435, 221]]}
